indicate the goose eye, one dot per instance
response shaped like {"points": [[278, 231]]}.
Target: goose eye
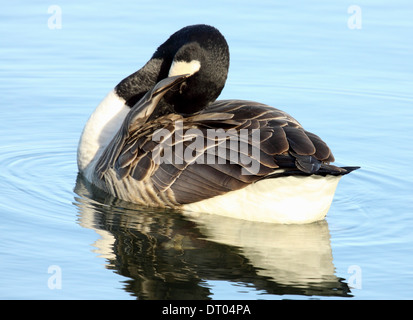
{"points": [[182, 87]]}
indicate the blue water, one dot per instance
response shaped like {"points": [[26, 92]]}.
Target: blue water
{"points": [[353, 87]]}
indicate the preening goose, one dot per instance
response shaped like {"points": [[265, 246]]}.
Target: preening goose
{"points": [[161, 139]]}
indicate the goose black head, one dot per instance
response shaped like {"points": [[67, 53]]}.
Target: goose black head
{"points": [[198, 50]]}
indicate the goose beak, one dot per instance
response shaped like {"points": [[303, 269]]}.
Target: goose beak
{"points": [[164, 85], [145, 106]]}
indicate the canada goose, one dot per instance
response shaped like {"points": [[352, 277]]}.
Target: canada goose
{"points": [[161, 139]]}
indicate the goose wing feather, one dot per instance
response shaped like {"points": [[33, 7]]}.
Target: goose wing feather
{"points": [[140, 150]]}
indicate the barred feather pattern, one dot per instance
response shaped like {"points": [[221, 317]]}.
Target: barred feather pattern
{"points": [[283, 147]]}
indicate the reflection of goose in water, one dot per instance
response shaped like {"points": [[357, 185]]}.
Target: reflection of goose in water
{"points": [[169, 256]]}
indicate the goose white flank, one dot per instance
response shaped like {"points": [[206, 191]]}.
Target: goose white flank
{"points": [[160, 138]]}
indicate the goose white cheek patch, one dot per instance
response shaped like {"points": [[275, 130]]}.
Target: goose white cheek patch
{"points": [[183, 67]]}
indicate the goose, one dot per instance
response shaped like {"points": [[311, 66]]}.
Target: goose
{"points": [[161, 139]]}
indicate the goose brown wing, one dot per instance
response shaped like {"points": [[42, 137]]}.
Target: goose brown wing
{"points": [[282, 144], [281, 134], [225, 147]]}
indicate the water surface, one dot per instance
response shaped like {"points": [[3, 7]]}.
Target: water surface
{"points": [[353, 87]]}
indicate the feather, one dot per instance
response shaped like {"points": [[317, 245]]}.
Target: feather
{"points": [[299, 141], [216, 150], [323, 152]]}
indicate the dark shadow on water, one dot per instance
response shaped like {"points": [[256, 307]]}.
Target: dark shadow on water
{"points": [[168, 255]]}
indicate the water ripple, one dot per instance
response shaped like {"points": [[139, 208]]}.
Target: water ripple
{"points": [[37, 175], [370, 210]]}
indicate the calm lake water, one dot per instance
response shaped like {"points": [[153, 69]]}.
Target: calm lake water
{"points": [[345, 73]]}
